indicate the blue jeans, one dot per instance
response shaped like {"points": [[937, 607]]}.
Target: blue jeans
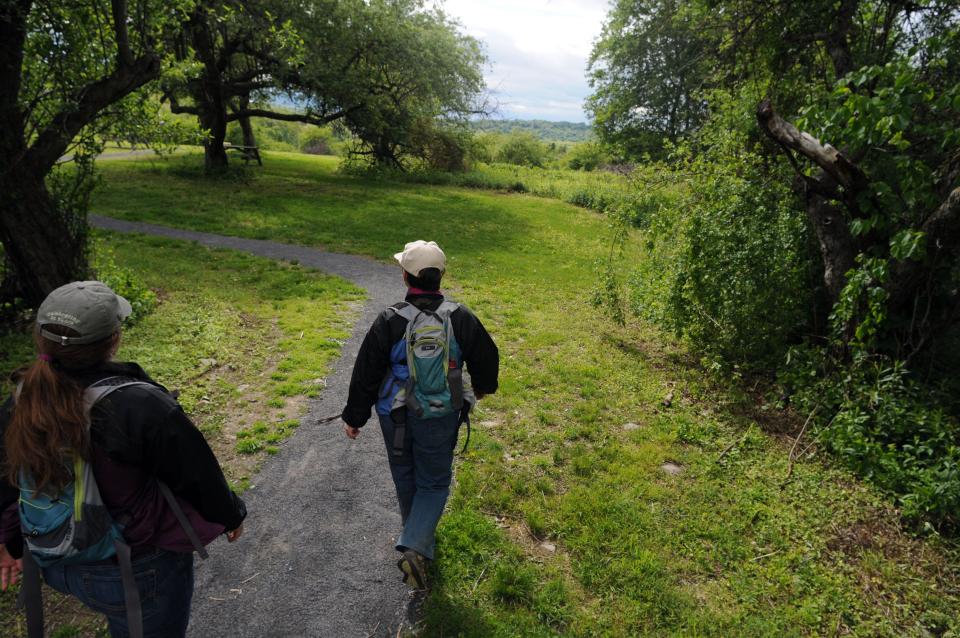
{"points": [[422, 477], [165, 581]]}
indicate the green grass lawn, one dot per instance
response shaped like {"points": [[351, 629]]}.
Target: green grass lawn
{"points": [[589, 505], [245, 340]]}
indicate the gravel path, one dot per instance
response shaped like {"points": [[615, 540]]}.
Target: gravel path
{"points": [[317, 557]]}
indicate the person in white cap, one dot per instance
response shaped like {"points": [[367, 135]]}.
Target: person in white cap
{"points": [[410, 366]]}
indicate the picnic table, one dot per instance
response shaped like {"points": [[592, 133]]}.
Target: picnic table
{"points": [[246, 152]]}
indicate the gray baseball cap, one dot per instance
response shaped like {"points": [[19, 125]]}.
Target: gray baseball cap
{"points": [[88, 307]]}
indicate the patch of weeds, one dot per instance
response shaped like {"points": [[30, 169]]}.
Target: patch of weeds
{"points": [[514, 584], [249, 446]]}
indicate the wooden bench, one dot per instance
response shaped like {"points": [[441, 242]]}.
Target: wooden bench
{"points": [[246, 152]]}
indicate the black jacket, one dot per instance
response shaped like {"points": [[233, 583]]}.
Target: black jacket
{"points": [[373, 361], [148, 430]]}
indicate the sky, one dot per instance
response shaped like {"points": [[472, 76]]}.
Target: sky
{"points": [[538, 52]]}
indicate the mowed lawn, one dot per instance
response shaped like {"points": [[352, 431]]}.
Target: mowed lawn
{"points": [[610, 490]]}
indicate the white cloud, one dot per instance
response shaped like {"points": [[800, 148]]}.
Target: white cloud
{"points": [[538, 51]]}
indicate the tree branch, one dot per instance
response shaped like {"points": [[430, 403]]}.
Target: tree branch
{"points": [[292, 117], [119, 9], [833, 162], [83, 107]]}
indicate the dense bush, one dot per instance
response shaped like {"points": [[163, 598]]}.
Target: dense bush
{"points": [[727, 266], [587, 156], [522, 149], [317, 141], [886, 426]]}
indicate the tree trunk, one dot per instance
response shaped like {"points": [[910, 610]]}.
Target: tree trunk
{"points": [[214, 122], [836, 243], [248, 137], [42, 251]]}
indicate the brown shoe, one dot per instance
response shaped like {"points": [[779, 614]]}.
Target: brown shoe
{"points": [[414, 568]]}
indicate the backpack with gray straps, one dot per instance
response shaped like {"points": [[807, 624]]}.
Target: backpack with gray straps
{"points": [[75, 527], [434, 385]]}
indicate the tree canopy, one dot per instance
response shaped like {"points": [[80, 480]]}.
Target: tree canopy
{"points": [[70, 73], [398, 74]]}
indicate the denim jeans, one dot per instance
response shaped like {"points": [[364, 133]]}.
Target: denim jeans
{"points": [[422, 477], [165, 581]]}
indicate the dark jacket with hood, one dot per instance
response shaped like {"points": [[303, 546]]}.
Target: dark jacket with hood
{"points": [[140, 434], [477, 349]]}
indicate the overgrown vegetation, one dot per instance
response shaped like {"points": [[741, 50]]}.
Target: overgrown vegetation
{"points": [[834, 271], [610, 489]]}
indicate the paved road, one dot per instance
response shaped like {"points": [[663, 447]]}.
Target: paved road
{"points": [[317, 558]]}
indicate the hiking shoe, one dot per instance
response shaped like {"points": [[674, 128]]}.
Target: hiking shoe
{"points": [[414, 568]]}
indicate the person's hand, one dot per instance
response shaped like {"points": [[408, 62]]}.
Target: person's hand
{"points": [[351, 431], [10, 568], [234, 534]]}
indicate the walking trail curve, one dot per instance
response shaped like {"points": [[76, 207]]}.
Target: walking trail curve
{"points": [[317, 557]]}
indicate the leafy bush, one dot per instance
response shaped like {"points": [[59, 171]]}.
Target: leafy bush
{"points": [[123, 281], [885, 426], [522, 149], [317, 141], [728, 267], [587, 156]]}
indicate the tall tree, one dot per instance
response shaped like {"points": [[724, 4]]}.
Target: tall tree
{"points": [[246, 53], [64, 67], [647, 71], [402, 73]]}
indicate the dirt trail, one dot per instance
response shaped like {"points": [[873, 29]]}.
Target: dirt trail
{"points": [[317, 558]]}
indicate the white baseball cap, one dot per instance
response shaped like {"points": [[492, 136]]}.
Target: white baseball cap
{"points": [[420, 254]]}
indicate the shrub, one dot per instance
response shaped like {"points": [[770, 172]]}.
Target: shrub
{"points": [[587, 156], [123, 281], [522, 149], [317, 141], [728, 268]]}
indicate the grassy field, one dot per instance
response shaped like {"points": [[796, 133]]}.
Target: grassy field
{"points": [[610, 489], [245, 340]]}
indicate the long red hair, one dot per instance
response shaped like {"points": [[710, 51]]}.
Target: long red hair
{"points": [[48, 425]]}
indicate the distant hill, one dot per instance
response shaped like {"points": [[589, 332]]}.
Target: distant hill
{"points": [[545, 130]]}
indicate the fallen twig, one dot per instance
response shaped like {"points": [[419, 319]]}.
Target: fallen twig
{"points": [[247, 580], [762, 556], [730, 447], [797, 440], [370, 635], [479, 578]]}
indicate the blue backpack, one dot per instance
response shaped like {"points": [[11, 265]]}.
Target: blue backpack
{"points": [[426, 374], [75, 527]]}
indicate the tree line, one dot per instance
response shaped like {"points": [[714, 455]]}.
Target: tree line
{"points": [[397, 74]]}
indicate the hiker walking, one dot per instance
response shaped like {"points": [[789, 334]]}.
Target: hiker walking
{"points": [[410, 366], [107, 487]]}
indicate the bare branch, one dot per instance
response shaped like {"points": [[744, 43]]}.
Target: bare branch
{"points": [[833, 162]]}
